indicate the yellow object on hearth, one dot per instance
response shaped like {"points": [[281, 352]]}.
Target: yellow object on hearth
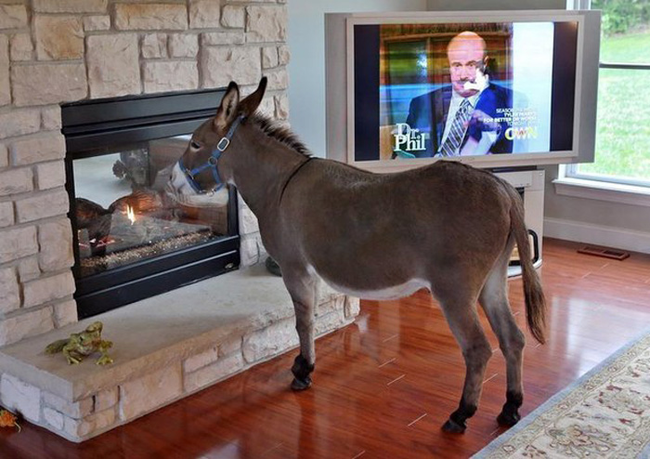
{"points": [[83, 344], [8, 419]]}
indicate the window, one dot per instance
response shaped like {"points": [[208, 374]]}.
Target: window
{"points": [[623, 122]]}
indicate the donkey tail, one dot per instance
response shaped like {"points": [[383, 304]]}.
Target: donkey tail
{"points": [[533, 294]]}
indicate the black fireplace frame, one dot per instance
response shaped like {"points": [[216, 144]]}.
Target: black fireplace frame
{"points": [[100, 124]]}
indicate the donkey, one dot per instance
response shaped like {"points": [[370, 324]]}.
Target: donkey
{"points": [[446, 227]]}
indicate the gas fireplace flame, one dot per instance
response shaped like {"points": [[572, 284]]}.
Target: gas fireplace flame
{"points": [[130, 214]]}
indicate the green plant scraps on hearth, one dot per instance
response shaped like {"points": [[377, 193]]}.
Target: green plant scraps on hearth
{"points": [[8, 419], [83, 344]]}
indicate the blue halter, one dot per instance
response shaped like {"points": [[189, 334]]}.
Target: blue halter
{"points": [[211, 163]]}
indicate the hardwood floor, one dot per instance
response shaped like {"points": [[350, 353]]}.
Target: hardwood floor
{"points": [[384, 385]]}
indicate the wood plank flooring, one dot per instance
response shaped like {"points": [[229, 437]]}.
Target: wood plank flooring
{"points": [[384, 385]]}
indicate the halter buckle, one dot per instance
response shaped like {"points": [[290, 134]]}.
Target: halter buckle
{"points": [[223, 144]]}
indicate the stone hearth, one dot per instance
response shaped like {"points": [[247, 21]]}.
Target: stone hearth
{"points": [[165, 348]]}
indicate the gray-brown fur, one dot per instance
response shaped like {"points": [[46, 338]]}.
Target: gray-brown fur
{"points": [[448, 227]]}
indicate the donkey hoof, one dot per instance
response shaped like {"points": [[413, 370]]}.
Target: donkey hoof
{"points": [[452, 426], [508, 419], [301, 384]]}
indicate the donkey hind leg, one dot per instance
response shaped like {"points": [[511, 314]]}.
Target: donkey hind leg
{"points": [[302, 289], [463, 320], [494, 300]]}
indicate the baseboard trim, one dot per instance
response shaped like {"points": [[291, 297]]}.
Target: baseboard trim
{"points": [[607, 236]]}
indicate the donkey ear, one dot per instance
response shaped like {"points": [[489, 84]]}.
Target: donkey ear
{"points": [[250, 103], [228, 108]]}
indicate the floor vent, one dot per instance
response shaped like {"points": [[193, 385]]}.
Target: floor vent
{"points": [[604, 252]]}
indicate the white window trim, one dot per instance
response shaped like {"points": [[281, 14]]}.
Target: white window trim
{"points": [[599, 190]]}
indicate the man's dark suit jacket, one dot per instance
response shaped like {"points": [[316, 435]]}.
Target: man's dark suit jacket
{"points": [[428, 113]]}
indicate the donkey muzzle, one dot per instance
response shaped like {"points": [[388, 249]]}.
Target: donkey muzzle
{"points": [[179, 182]]}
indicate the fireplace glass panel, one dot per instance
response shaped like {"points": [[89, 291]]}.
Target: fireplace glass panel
{"points": [[125, 215], [132, 239]]}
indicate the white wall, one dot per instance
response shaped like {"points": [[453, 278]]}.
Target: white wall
{"points": [[306, 39], [497, 4]]}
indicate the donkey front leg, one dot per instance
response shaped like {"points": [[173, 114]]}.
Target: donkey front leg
{"points": [[302, 289]]}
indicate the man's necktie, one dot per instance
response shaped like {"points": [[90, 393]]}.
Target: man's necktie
{"points": [[457, 131]]}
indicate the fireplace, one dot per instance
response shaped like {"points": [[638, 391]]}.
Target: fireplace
{"points": [[131, 238]]}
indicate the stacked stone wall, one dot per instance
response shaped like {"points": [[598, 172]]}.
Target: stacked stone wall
{"points": [[58, 51]]}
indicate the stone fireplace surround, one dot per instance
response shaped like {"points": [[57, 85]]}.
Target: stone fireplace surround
{"points": [[56, 51]]}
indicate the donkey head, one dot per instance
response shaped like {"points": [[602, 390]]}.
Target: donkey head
{"points": [[206, 164]]}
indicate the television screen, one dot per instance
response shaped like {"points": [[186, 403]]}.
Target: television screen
{"points": [[456, 89], [492, 88]]}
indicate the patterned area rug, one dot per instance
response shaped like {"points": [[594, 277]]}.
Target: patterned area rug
{"points": [[605, 414]]}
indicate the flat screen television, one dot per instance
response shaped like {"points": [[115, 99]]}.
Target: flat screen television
{"points": [[496, 89]]}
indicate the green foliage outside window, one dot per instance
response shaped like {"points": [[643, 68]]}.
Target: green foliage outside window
{"points": [[623, 132], [621, 16]]}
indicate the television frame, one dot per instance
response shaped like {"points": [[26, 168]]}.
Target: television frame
{"points": [[340, 85]]}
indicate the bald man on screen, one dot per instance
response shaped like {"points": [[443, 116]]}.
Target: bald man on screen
{"points": [[466, 117]]}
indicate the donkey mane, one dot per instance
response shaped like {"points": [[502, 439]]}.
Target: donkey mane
{"points": [[281, 133]]}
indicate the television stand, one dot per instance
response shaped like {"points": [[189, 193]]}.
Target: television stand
{"points": [[530, 184]]}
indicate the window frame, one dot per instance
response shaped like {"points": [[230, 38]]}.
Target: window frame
{"points": [[572, 182]]}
